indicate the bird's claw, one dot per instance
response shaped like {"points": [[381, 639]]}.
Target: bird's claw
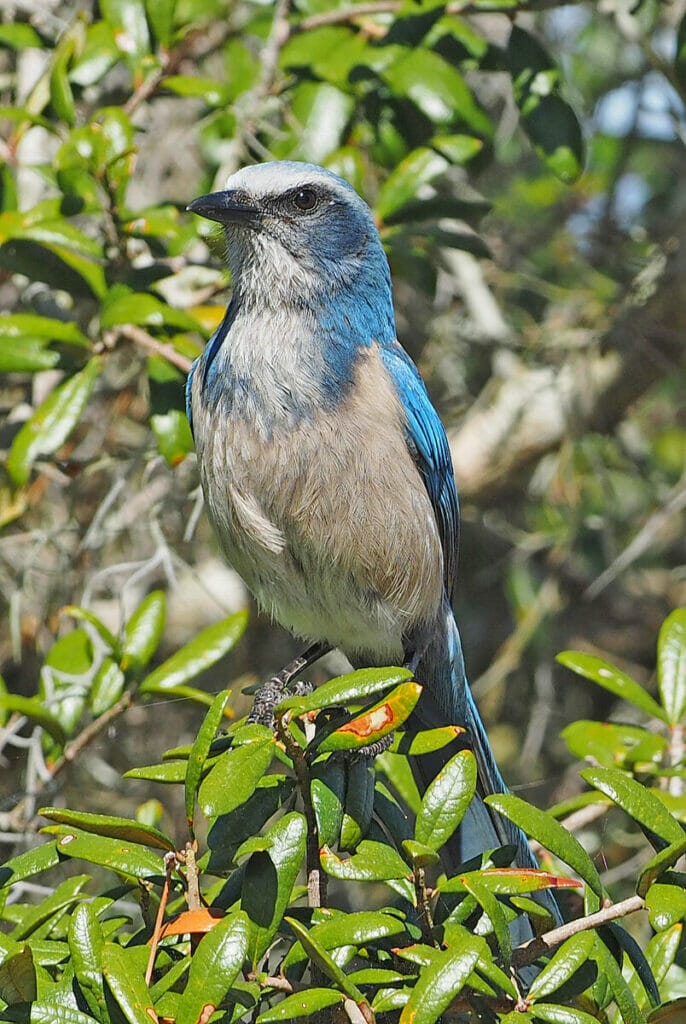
{"points": [[372, 750], [272, 693]]}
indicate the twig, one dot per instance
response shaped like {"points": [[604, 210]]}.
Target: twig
{"points": [[531, 950], [169, 865], [158, 348], [463, 7]]}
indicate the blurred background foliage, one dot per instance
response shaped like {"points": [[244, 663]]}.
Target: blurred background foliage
{"points": [[524, 161]]}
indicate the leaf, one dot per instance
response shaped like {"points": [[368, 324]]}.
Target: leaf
{"points": [[638, 802], [510, 881], [571, 955], [613, 745], [51, 908], [671, 665], [31, 862], [494, 911], [658, 864], [376, 722], [354, 929], [552, 1014], [446, 800], [127, 859], [439, 982], [160, 14], [108, 686], [173, 435], [200, 750], [626, 1004], [437, 89], [144, 310], [327, 791], [232, 780], [425, 742], [417, 168], [324, 961], [127, 986], [129, 24], [371, 862], [167, 772], [269, 879], [666, 905], [214, 968], [612, 679], [359, 803], [45, 1012], [662, 950], [348, 689], [86, 946], [51, 423], [126, 829], [143, 632], [213, 92], [549, 833], [18, 977], [34, 710], [203, 651], [301, 1004]]}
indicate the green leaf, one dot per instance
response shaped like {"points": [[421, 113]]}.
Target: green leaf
{"points": [[160, 15], [127, 859], [18, 977], [86, 946], [83, 615], [612, 679], [173, 435], [50, 909], [327, 790], [509, 881], [269, 879], [418, 168], [19, 37], [232, 780], [359, 803], [658, 864], [199, 752], [494, 911], [571, 955], [214, 968], [52, 423], [413, 744], [458, 148], [419, 854], [127, 985], [324, 961], [638, 802], [145, 310], [446, 800], [212, 91], [372, 862], [130, 27], [32, 862], [355, 929], [396, 768], [301, 1004], [376, 722], [347, 689], [552, 1014], [671, 665], [551, 834], [167, 772], [110, 825], [437, 89], [45, 1012], [626, 1004], [143, 632], [33, 709], [203, 651], [666, 905], [108, 686], [613, 745], [439, 982], [662, 950]]}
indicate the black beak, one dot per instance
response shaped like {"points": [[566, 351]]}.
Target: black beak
{"points": [[225, 208]]}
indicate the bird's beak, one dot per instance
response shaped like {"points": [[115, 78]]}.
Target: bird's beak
{"points": [[225, 208]]}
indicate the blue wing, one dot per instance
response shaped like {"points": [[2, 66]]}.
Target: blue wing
{"points": [[429, 446]]}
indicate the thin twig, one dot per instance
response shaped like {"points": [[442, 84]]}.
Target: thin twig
{"points": [[169, 865], [463, 7], [158, 348]]}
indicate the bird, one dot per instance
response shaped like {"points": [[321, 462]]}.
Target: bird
{"points": [[326, 469]]}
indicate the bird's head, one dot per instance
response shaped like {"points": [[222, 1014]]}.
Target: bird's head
{"points": [[296, 233]]}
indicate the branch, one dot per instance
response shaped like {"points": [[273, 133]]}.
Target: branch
{"points": [[463, 7], [154, 347], [531, 950]]}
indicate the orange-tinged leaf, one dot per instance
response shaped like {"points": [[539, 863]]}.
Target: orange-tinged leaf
{"points": [[193, 922], [376, 722]]}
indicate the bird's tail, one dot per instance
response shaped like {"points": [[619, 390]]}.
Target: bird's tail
{"points": [[447, 699]]}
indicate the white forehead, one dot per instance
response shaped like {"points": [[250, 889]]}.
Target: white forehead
{"points": [[282, 175]]}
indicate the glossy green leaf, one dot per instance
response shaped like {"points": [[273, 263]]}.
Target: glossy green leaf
{"points": [[446, 800], [613, 745], [31, 862], [200, 750], [160, 14], [269, 879], [626, 1004], [374, 723], [128, 21], [52, 423], [671, 665], [354, 929], [458, 148], [324, 961], [397, 769], [552, 1014], [549, 833], [143, 632], [666, 905], [167, 772], [108, 686], [348, 689], [301, 1004], [564, 963], [126, 985], [439, 982], [173, 435], [113, 826], [18, 977], [229, 831], [419, 854], [488, 901], [203, 651], [125, 858], [232, 780], [658, 864], [34, 710], [144, 310], [86, 946], [359, 803], [214, 968], [213, 92], [662, 950], [437, 88], [83, 615], [50, 909], [510, 881], [418, 168], [413, 744], [638, 802], [372, 862], [612, 679], [327, 789]]}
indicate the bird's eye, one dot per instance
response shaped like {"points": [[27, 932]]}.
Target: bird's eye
{"points": [[305, 199]]}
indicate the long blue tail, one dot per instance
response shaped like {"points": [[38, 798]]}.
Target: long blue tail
{"points": [[447, 699]]}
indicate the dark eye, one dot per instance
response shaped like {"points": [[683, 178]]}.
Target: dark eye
{"points": [[305, 199]]}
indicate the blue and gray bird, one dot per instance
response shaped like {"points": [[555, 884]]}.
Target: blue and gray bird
{"points": [[325, 467]]}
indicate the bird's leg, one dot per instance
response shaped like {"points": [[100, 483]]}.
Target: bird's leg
{"points": [[281, 685]]}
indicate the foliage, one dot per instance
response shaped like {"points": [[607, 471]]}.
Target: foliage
{"points": [[241, 924]]}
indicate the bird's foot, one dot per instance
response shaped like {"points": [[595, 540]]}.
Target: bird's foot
{"points": [[272, 693], [373, 750]]}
